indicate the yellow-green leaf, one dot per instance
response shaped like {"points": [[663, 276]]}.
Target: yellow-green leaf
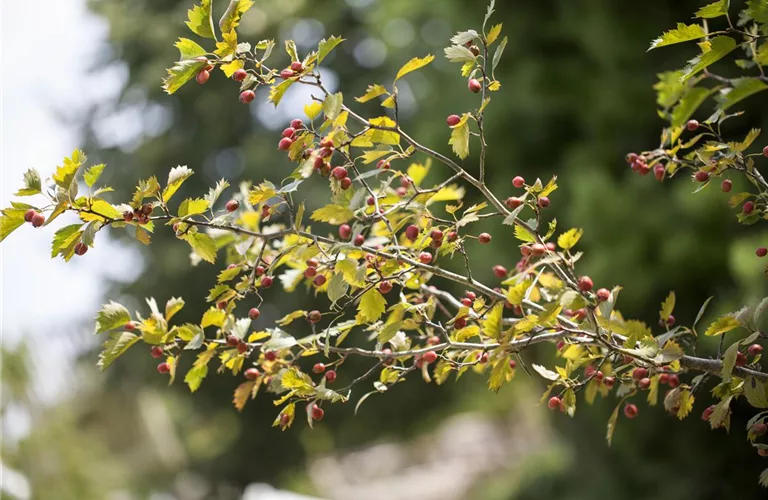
{"points": [[667, 306], [570, 238], [414, 64], [722, 325], [192, 207], [332, 214], [199, 19], [326, 46], [493, 34], [373, 91], [459, 140], [231, 18], [372, 305], [492, 321], [176, 178], [717, 48], [683, 33], [203, 245]]}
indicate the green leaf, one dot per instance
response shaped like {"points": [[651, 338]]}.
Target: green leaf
{"points": [[332, 214], [667, 306], [729, 361], [215, 192], [192, 207], [232, 15], [65, 239], [378, 136], [702, 309], [195, 377], [389, 331], [612, 421], [174, 305], [112, 316], [337, 288], [199, 19], [32, 183], [688, 105], [92, 174], [114, 347], [756, 392], [11, 220], [570, 238], [353, 274], [414, 64], [742, 88], [293, 379], [713, 51], [459, 140], [372, 305], [683, 33], [524, 235], [717, 9], [65, 174], [722, 325], [670, 352], [373, 92], [686, 404], [498, 53], [492, 322], [203, 245], [763, 481], [332, 105], [326, 46], [669, 88], [181, 73], [176, 178], [213, 317], [462, 37], [261, 193], [500, 374], [188, 49], [757, 10], [276, 92], [459, 53]]}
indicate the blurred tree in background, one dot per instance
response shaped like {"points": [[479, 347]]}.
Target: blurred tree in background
{"points": [[578, 98]]}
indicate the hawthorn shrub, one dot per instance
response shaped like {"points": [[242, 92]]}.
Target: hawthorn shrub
{"points": [[374, 255]]}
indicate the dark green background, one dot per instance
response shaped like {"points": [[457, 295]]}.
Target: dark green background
{"points": [[576, 97]]}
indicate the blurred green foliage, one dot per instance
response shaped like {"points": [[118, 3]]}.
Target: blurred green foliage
{"points": [[576, 98]]}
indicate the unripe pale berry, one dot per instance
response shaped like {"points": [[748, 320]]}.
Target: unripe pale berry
{"points": [[748, 207], [38, 219], [763, 452], [433, 340], [759, 429], [239, 75], [254, 313], [318, 368], [247, 96], [603, 294], [412, 232], [202, 77], [232, 205], [761, 252], [330, 376], [359, 240], [284, 144], [429, 357], [474, 86], [585, 283], [550, 246], [345, 231], [692, 125], [297, 67], [317, 412], [319, 280], [425, 257], [543, 202], [755, 349], [554, 403], [500, 271], [639, 373], [484, 238], [266, 281], [339, 172], [252, 373], [163, 368], [385, 286], [513, 202], [289, 132], [297, 124], [453, 120], [630, 410], [156, 352]]}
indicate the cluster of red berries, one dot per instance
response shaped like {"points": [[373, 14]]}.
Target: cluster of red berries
{"points": [[139, 214], [34, 217], [290, 135], [292, 71]]}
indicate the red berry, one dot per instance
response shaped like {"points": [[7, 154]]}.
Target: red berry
{"points": [[673, 380], [425, 257], [385, 286], [38, 219], [266, 281], [639, 373], [286, 74], [484, 358], [664, 378], [500, 271], [289, 132], [631, 158], [297, 66], [222, 304], [252, 373], [513, 202], [319, 280], [580, 314], [644, 383], [475, 86], [763, 452], [232, 341], [460, 323], [128, 216], [247, 96], [330, 376], [401, 191], [741, 359], [630, 410], [156, 352], [163, 368], [346, 183], [297, 124], [383, 165], [609, 381], [339, 172], [260, 270], [708, 411], [726, 185], [359, 240], [644, 169], [658, 172], [371, 201], [254, 313], [31, 213], [761, 252], [466, 302], [232, 205], [202, 77], [452, 236], [412, 232], [543, 202], [433, 340], [554, 403], [284, 144], [239, 75], [585, 283], [317, 412], [310, 272], [512, 364], [755, 349], [748, 207], [81, 248], [671, 320], [537, 249], [436, 234], [599, 376], [701, 176], [318, 368], [345, 231], [765, 151], [484, 238], [692, 125], [453, 120], [429, 357], [759, 429], [314, 316], [518, 182], [603, 294], [270, 355]]}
